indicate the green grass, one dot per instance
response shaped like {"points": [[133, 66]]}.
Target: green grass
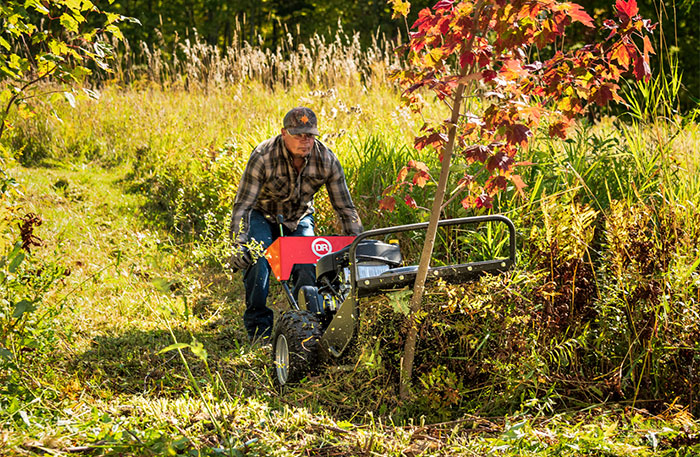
{"points": [[589, 347]]}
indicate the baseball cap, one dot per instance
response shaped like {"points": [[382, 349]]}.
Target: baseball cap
{"points": [[300, 120]]}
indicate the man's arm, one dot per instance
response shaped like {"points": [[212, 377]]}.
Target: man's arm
{"points": [[246, 196], [340, 199]]}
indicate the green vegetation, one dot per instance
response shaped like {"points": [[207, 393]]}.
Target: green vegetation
{"points": [[120, 330]]}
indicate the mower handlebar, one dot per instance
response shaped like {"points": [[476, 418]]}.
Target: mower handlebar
{"points": [[424, 225]]}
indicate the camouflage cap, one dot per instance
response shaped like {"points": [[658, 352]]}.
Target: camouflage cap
{"points": [[300, 120]]}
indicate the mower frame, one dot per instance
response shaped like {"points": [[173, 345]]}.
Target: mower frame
{"points": [[302, 338]]}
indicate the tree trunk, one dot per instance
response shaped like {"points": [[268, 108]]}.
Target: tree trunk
{"points": [[409, 350], [422, 274]]}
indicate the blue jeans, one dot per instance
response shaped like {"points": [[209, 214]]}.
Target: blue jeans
{"points": [[257, 317]]}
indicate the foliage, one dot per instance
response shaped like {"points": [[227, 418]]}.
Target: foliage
{"points": [[272, 22], [27, 321], [56, 40], [456, 46], [451, 48]]}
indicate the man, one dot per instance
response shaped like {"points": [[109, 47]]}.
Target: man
{"points": [[280, 179]]}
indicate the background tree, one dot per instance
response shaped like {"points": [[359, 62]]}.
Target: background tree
{"points": [[502, 69], [50, 40]]}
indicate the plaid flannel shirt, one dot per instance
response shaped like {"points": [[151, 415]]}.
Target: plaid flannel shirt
{"points": [[271, 185]]}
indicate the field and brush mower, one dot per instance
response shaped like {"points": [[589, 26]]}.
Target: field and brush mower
{"points": [[319, 326]]}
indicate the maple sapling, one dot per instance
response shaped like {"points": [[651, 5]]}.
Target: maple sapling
{"points": [[485, 49]]}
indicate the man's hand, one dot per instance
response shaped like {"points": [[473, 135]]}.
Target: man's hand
{"points": [[240, 260]]}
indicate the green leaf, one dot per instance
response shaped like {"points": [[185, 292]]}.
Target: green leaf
{"points": [[15, 262], [24, 306], [5, 354], [80, 72], [345, 425], [198, 350], [112, 17], [75, 5], [37, 5], [400, 301], [172, 347], [15, 62], [58, 47], [9, 73], [69, 22], [114, 30]]}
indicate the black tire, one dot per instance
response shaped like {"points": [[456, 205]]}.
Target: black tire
{"points": [[295, 346]]}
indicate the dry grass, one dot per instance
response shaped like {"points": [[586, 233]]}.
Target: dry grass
{"points": [[192, 63]]}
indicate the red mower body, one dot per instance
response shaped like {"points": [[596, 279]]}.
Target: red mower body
{"points": [[288, 251]]}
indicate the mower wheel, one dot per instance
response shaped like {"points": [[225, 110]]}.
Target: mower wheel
{"points": [[295, 346]]}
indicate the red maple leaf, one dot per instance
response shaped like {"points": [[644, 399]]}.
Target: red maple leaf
{"points": [[500, 161], [467, 202], [416, 165], [466, 58], [484, 201], [465, 180], [387, 204], [518, 134], [626, 9], [621, 54], [558, 129], [495, 184], [410, 202], [519, 184], [421, 178], [435, 139], [444, 25], [489, 75], [642, 70], [513, 70], [602, 95], [443, 5], [401, 177], [577, 13], [477, 153], [648, 48], [423, 22]]}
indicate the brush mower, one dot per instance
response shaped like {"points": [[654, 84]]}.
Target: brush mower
{"points": [[321, 324]]}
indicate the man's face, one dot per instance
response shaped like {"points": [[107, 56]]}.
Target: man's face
{"points": [[299, 145]]}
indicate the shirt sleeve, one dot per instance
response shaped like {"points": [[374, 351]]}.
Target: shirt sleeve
{"points": [[340, 199], [246, 197]]}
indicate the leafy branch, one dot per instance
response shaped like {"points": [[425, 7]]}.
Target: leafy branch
{"points": [[50, 40]]}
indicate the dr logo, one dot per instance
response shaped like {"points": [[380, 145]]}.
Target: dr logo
{"points": [[321, 247]]}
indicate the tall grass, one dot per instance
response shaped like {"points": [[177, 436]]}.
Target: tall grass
{"points": [[191, 63]]}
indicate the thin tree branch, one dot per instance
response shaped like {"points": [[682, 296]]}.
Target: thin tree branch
{"points": [[14, 98]]}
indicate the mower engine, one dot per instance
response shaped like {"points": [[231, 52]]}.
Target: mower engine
{"points": [[333, 276]]}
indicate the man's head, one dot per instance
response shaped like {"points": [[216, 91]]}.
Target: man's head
{"points": [[300, 127]]}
